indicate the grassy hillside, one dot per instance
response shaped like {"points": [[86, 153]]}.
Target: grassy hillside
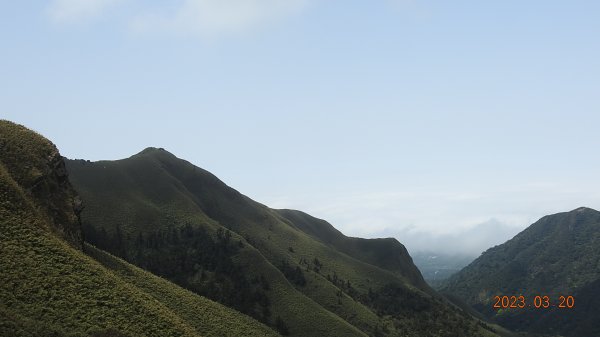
{"points": [[49, 287], [161, 213], [142, 201], [557, 255], [35, 164], [204, 315], [388, 253]]}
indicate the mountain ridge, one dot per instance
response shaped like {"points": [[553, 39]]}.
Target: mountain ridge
{"points": [[558, 255], [391, 255], [154, 191]]}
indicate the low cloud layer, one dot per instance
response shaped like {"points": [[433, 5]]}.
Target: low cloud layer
{"points": [[459, 220], [467, 242]]}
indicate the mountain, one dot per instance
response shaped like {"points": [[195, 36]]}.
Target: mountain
{"points": [[387, 253], [49, 286], [559, 255], [285, 268], [436, 267]]}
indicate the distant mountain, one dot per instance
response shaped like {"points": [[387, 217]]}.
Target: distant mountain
{"points": [[50, 287], [287, 269], [559, 255], [437, 267], [388, 253]]}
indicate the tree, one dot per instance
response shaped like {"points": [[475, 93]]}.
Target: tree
{"points": [[281, 327]]}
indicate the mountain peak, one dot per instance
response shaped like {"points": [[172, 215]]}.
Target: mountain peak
{"points": [[583, 209], [151, 150], [155, 152]]}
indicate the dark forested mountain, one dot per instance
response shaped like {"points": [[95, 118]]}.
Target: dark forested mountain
{"points": [[559, 255], [291, 271], [50, 287]]}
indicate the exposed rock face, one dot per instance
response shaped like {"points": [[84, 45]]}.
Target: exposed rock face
{"points": [[36, 164], [61, 201]]}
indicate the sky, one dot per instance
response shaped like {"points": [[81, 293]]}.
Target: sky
{"points": [[417, 119]]}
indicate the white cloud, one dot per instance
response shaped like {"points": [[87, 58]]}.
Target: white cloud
{"points": [[210, 18], [466, 242], [461, 218], [69, 11], [205, 18]]}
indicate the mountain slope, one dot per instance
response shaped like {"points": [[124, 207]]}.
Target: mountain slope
{"points": [[141, 199], [154, 210], [388, 253], [49, 287], [557, 255]]}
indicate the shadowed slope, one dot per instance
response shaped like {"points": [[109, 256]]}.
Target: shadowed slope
{"points": [[557, 255]]}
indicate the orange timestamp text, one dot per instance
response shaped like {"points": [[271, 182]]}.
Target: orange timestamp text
{"points": [[538, 302]]}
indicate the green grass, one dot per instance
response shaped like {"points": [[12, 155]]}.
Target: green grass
{"points": [[47, 281], [25, 154], [204, 315], [35, 165], [48, 287], [388, 253]]}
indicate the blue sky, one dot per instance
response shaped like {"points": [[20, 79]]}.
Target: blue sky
{"points": [[402, 118]]}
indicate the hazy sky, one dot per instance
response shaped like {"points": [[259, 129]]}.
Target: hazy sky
{"points": [[386, 118]]}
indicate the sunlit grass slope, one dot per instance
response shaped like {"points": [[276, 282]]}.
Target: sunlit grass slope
{"points": [[49, 287], [204, 315]]}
